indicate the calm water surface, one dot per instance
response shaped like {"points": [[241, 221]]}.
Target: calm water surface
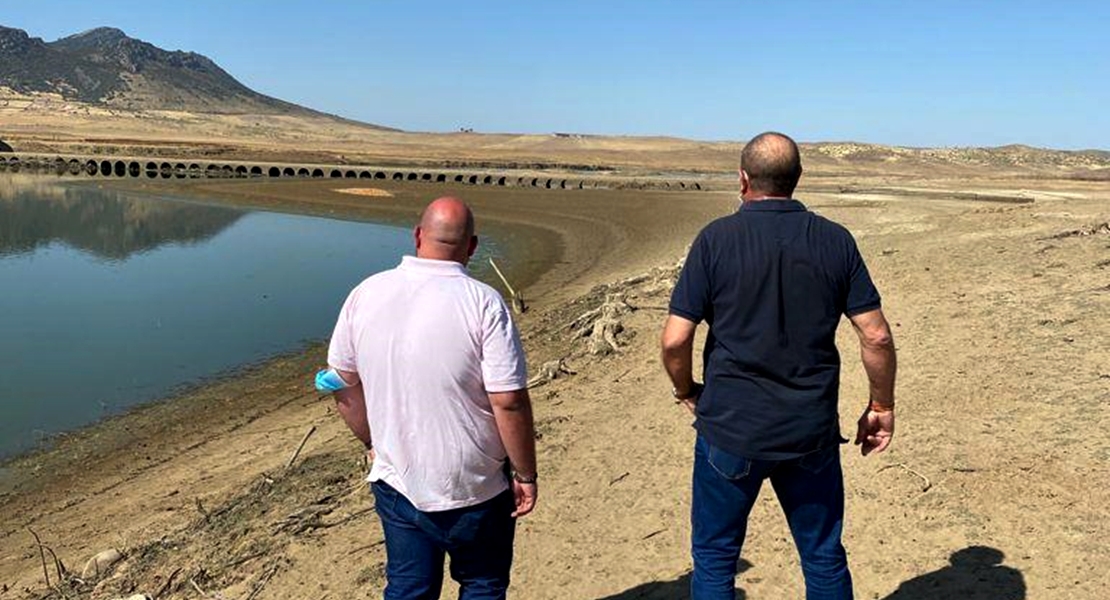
{"points": [[108, 300]]}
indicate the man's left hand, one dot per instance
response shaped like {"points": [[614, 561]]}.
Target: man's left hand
{"points": [[525, 495]]}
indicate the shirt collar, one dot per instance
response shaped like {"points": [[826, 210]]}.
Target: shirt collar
{"points": [[432, 266], [790, 205]]}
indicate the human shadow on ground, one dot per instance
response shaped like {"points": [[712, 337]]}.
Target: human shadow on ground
{"points": [[679, 589], [975, 572]]}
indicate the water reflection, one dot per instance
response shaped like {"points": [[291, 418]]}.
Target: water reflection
{"points": [[107, 302], [35, 213]]}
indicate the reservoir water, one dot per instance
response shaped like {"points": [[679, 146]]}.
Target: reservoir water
{"points": [[108, 299]]}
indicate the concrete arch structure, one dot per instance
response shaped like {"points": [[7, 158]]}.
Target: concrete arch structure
{"points": [[62, 165]]}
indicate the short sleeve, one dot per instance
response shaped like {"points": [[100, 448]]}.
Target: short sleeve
{"points": [[862, 294], [341, 350], [691, 296], [503, 365]]}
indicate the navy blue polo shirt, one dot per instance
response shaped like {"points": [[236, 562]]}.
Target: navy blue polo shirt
{"points": [[772, 282]]}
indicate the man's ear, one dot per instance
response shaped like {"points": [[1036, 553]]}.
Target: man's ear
{"points": [[745, 182], [416, 235], [473, 245]]}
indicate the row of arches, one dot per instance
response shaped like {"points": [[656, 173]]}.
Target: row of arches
{"points": [[154, 169]]}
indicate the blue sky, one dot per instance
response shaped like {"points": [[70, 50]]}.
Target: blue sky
{"points": [[925, 73]]}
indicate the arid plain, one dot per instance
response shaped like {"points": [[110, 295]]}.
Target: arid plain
{"points": [[995, 271]]}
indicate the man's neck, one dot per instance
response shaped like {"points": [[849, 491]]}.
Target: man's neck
{"points": [[754, 197]]}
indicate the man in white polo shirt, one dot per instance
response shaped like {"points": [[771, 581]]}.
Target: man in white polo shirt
{"points": [[436, 385]]}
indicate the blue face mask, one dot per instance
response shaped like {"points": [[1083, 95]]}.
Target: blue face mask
{"points": [[328, 380]]}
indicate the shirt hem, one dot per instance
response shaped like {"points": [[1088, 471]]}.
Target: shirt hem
{"points": [[689, 316], [497, 388], [862, 309], [442, 506]]}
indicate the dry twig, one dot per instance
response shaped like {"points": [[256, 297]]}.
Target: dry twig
{"points": [[167, 584], [928, 484], [42, 555], [262, 583]]}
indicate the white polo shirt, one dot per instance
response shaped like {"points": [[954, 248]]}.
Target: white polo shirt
{"points": [[428, 342]]}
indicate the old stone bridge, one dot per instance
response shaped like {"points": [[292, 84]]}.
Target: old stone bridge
{"points": [[164, 168]]}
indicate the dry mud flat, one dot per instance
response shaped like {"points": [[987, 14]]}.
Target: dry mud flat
{"points": [[995, 487]]}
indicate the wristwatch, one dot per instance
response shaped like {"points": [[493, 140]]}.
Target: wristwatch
{"points": [[517, 477], [695, 390]]}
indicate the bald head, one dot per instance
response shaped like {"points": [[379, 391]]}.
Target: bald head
{"points": [[446, 231], [772, 164]]}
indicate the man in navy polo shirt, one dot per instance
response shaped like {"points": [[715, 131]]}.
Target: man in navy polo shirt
{"points": [[772, 281]]}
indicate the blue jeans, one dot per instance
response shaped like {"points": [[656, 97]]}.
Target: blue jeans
{"points": [[811, 492], [478, 538]]}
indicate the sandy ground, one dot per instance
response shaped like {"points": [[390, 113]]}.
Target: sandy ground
{"points": [[995, 487]]}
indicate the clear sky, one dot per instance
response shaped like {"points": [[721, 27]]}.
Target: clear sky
{"points": [[918, 73]]}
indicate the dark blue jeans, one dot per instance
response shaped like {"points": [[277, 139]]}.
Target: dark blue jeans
{"points": [[479, 540], [811, 492]]}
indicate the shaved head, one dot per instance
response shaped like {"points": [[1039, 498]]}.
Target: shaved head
{"points": [[446, 231], [773, 165]]}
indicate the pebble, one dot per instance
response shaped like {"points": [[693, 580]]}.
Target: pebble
{"points": [[100, 563]]}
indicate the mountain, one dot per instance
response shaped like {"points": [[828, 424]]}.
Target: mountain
{"points": [[104, 66]]}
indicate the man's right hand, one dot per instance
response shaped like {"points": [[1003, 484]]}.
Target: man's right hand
{"points": [[875, 431], [525, 496]]}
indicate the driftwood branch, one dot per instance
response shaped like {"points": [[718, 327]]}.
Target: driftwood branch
{"points": [[300, 447], [517, 300]]}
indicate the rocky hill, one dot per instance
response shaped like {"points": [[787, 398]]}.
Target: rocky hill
{"points": [[106, 67]]}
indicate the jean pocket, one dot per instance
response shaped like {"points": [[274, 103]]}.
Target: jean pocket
{"points": [[728, 465], [385, 497]]}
